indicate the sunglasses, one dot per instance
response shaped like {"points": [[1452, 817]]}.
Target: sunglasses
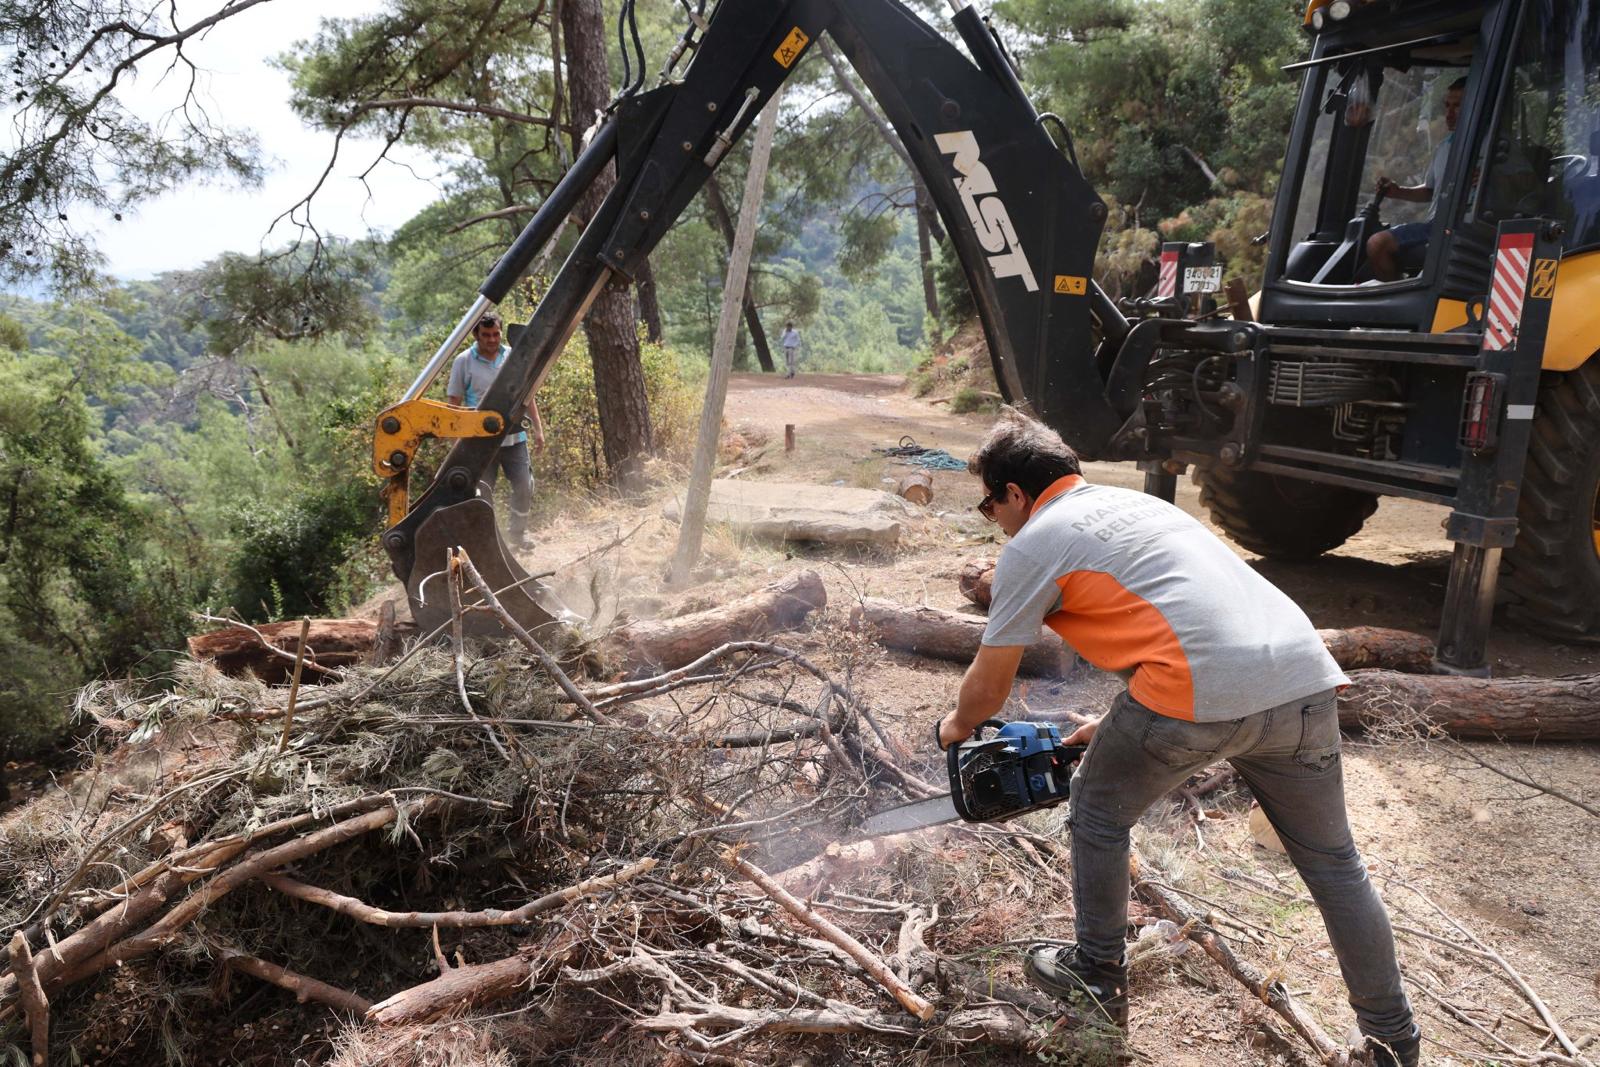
{"points": [[986, 505]]}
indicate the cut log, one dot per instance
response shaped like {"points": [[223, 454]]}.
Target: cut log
{"points": [[647, 647], [916, 487], [331, 644], [948, 635], [976, 580], [1513, 709], [1365, 647]]}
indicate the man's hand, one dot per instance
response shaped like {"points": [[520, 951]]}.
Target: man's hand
{"points": [[1386, 185], [538, 441], [952, 732], [1083, 734]]}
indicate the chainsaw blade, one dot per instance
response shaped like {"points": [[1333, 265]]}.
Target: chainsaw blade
{"points": [[916, 815]]}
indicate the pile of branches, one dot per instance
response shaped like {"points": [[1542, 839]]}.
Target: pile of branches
{"points": [[472, 859]]}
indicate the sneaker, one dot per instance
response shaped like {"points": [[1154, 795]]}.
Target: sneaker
{"points": [[1096, 994], [1404, 1052]]}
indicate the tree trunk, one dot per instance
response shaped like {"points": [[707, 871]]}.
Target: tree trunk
{"points": [[752, 318], [646, 647], [1511, 709], [649, 303], [332, 643], [693, 525], [948, 635], [619, 387], [930, 290]]}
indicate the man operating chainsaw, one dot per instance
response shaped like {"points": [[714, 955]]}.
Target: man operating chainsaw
{"points": [[1219, 665]]}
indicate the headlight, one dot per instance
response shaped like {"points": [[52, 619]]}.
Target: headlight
{"points": [[1339, 9], [1318, 17]]}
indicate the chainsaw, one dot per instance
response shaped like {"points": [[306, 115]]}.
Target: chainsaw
{"points": [[1021, 767]]}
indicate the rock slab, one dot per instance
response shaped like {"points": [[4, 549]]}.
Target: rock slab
{"points": [[796, 511]]}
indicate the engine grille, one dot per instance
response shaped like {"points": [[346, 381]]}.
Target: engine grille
{"points": [[1321, 383]]}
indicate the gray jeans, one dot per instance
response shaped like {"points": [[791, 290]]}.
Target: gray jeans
{"points": [[791, 359], [1289, 757], [513, 459]]}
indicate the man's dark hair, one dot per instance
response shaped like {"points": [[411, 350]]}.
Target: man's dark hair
{"points": [[1024, 451], [489, 319], [1459, 83]]}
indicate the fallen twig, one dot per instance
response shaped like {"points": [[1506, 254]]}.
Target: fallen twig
{"points": [[34, 1003], [357, 909], [880, 971], [303, 987], [1271, 993]]}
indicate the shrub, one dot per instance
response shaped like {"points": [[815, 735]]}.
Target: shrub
{"points": [[968, 399], [297, 557]]}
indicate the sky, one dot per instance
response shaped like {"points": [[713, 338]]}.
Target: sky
{"points": [[187, 227]]}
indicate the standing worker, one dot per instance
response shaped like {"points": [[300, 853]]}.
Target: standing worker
{"points": [[471, 375], [791, 349], [1220, 665]]}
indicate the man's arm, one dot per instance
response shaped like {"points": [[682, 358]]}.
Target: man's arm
{"points": [[1417, 194], [984, 690], [538, 424]]}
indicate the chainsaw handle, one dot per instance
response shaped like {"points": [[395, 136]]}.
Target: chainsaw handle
{"points": [[938, 742]]}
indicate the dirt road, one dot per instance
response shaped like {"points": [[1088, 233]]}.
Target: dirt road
{"points": [[1393, 573]]}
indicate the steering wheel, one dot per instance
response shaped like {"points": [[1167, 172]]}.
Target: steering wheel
{"points": [[1570, 166]]}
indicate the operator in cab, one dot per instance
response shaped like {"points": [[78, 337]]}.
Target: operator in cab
{"points": [[1219, 664], [1399, 250]]}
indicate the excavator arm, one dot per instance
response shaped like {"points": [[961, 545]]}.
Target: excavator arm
{"points": [[1019, 211]]}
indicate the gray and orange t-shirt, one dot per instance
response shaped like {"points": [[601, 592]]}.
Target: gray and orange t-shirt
{"points": [[1138, 587]]}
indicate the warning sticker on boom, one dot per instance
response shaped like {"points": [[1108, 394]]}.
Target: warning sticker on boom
{"points": [[1544, 279], [1072, 284], [792, 46]]}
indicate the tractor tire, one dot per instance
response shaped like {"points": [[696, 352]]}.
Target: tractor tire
{"points": [[1282, 518], [1551, 576]]}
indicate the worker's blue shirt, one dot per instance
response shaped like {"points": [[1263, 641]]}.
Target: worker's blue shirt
{"points": [[471, 376]]}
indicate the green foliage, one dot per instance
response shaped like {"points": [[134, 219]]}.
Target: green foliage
{"points": [[867, 239], [79, 592], [13, 335], [967, 399], [1159, 93], [294, 556], [574, 458], [956, 304], [243, 301]]}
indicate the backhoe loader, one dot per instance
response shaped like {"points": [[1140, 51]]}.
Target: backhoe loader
{"points": [[1467, 381]]}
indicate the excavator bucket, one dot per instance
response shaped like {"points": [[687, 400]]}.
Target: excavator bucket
{"points": [[470, 526]]}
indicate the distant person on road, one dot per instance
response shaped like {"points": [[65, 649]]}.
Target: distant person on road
{"points": [[473, 372], [1399, 249], [1220, 665], [791, 349]]}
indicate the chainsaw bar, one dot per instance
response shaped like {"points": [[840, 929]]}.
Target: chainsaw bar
{"points": [[916, 815]]}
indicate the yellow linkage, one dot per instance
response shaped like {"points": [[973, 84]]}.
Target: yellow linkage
{"points": [[401, 431]]}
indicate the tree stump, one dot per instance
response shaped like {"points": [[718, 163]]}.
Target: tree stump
{"points": [[975, 581], [916, 487]]}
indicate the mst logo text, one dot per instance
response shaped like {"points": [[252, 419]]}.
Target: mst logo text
{"points": [[987, 211]]}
